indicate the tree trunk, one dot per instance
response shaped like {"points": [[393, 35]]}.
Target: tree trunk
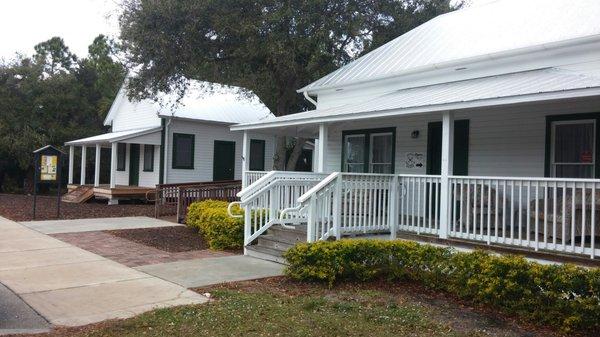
{"points": [[279, 158], [295, 155]]}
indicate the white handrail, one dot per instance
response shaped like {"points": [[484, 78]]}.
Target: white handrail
{"points": [[255, 185], [230, 213], [303, 198]]}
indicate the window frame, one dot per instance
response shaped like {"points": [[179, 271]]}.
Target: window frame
{"points": [[367, 133], [263, 144], [121, 157], [571, 117], [152, 149], [176, 137]]}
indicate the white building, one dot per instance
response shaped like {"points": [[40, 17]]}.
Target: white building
{"points": [[480, 125], [173, 141]]}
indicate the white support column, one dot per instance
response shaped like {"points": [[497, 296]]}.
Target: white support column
{"points": [[97, 166], [71, 163], [83, 162], [113, 165], [322, 147], [447, 163], [245, 157]]}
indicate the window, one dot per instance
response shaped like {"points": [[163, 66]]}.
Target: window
{"points": [[382, 155], [183, 151], [257, 155], [573, 153], [369, 151], [121, 156], [148, 158]]}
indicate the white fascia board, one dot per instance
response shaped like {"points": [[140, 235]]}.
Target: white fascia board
{"points": [[530, 98], [114, 106]]}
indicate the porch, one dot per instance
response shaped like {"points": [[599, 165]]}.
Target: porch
{"points": [[520, 177], [134, 164]]}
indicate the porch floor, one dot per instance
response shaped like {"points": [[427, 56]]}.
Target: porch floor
{"points": [[119, 191]]}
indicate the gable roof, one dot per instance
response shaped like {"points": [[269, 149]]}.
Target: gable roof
{"points": [[474, 32], [528, 86], [221, 104]]}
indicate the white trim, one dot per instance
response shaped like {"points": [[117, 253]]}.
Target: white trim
{"points": [[83, 162], [322, 151], [97, 166], [510, 100]]}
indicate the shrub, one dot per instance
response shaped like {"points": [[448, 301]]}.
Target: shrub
{"points": [[564, 296], [219, 229]]}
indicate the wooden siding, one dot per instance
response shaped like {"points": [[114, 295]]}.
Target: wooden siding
{"points": [[206, 134], [134, 115], [147, 179], [503, 141]]}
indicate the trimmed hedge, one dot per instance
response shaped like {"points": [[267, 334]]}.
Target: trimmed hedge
{"points": [[219, 229], [563, 296]]}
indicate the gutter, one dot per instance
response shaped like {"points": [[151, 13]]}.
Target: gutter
{"points": [[461, 62]]}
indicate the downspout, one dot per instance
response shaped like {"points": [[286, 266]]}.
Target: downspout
{"points": [[166, 151], [310, 99]]}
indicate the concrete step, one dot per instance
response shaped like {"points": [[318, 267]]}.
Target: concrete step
{"points": [[275, 242], [264, 253]]}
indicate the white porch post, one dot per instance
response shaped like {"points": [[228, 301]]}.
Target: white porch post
{"points": [[71, 163], [113, 165], [245, 158], [97, 166], [447, 163], [83, 162], [322, 147]]}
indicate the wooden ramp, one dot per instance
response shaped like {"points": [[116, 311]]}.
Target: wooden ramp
{"points": [[79, 195]]}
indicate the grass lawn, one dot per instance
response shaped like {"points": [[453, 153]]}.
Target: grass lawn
{"points": [[279, 307]]}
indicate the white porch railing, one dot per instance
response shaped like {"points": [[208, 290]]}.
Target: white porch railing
{"points": [[539, 213], [559, 215], [251, 176], [265, 199]]}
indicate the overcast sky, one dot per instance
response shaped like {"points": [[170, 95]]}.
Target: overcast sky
{"points": [[24, 23]]}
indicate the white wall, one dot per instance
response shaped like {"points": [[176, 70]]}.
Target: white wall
{"points": [[205, 135], [134, 115], [147, 179], [502, 141]]}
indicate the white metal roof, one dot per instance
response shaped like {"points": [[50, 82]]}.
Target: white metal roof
{"points": [[112, 137], [222, 104], [494, 28], [529, 86]]}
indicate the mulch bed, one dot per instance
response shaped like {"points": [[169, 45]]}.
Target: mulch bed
{"points": [[169, 239], [19, 207]]}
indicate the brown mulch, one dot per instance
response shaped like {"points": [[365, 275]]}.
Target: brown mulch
{"points": [[19, 207], [169, 239]]}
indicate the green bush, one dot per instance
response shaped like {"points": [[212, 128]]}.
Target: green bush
{"points": [[564, 296], [219, 229]]}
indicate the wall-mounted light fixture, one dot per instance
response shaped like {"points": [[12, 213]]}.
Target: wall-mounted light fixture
{"points": [[414, 134]]}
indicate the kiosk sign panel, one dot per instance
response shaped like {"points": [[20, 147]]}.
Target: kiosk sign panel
{"points": [[48, 168]]}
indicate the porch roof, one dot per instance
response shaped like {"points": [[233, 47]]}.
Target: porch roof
{"points": [[116, 136], [522, 87]]}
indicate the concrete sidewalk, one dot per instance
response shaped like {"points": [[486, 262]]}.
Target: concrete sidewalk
{"points": [[70, 286], [203, 272], [98, 224]]}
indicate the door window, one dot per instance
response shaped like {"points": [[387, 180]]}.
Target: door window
{"points": [[573, 149], [369, 151], [381, 153]]}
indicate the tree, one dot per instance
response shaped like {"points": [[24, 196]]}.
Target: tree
{"points": [[267, 46], [51, 98]]}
